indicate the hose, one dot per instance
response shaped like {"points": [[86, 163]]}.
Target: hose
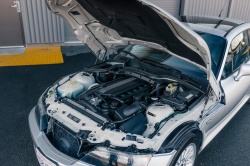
{"points": [[157, 88], [98, 80], [158, 125], [100, 97], [127, 118], [166, 119]]}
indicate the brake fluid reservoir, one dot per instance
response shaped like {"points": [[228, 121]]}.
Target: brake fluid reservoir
{"points": [[84, 78], [157, 112], [70, 89], [171, 88]]}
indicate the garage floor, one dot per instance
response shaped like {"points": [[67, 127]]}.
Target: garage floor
{"points": [[21, 86]]}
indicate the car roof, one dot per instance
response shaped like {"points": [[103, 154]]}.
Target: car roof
{"points": [[211, 24]]}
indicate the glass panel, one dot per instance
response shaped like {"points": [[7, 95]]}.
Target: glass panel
{"points": [[240, 50], [215, 44], [147, 53], [237, 54]]}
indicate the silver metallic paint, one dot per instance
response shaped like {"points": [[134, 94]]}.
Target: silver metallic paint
{"points": [[234, 90], [216, 129], [212, 117], [244, 70], [235, 93]]}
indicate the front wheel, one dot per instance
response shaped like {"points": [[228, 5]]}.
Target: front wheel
{"points": [[187, 152]]}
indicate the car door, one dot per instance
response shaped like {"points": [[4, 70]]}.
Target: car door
{"points": [[238, 54]]}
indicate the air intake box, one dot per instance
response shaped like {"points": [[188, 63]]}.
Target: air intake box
{"points": [[136, 125], [126, 111]]}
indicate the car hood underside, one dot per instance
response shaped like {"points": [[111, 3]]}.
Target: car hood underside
{"points": [[105, 25]]}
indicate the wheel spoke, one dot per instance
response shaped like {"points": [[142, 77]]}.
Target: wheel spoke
{"points": [[186, 152], [189, 161], [187, 157], [190, 154]]}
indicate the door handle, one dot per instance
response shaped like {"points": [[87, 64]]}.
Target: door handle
{"points": [[17, 6]]}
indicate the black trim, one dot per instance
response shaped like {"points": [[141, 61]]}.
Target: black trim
{"points": [[222, 59], [190, 107], [43, 122], [181, 132], [216, 26], [37, 113], [232, 29], [155, 78]]}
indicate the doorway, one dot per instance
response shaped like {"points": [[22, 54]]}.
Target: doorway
{"points": [[11, 32]]}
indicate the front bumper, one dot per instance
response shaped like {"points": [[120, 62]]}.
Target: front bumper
{"points": [[48, 150]]}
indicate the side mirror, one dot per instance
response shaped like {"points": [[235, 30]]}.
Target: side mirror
{"points": [[243, 71]]}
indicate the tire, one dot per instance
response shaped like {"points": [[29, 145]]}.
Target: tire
{"points": [[186, 144]]}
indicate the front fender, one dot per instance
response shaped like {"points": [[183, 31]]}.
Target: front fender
{"points": [[173, 141]]}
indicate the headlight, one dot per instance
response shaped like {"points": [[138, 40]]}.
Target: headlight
{"points": [[108, 157]]}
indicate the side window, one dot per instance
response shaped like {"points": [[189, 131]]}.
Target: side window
{"points": [[238, 53]]}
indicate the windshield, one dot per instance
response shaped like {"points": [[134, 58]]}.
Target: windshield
{"points": [[216, 46]]}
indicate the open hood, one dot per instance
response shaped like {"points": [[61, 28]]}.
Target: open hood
{"points": [[105, 25]]}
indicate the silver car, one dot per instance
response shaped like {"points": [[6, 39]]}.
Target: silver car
{"points": [[170, 90]]}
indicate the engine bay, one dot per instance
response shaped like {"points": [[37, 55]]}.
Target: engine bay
{"points": [[110, 104]]}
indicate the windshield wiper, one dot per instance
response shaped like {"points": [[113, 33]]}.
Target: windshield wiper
{"points": [[161, 65], [181, 76], [136, 58]]}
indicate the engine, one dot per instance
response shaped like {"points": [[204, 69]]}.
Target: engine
{"points": [[93, 108]]}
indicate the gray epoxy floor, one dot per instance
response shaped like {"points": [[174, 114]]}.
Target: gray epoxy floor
{"points": [[74, 50]]}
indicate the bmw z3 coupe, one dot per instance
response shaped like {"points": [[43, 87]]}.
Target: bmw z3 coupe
{"points": [[170, 90]]}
